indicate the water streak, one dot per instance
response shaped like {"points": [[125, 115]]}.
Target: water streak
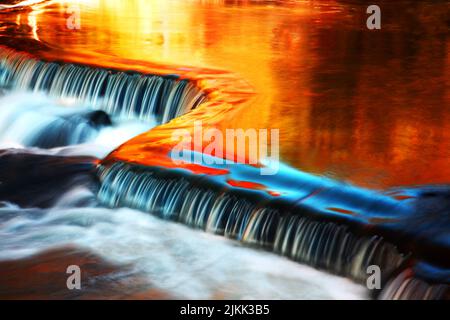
{"points": [[128, 94]]}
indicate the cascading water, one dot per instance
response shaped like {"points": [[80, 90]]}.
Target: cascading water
{"points": [[54, 116], [249, 219], [31, 120], [313, 220], [328, 225], [34, 120], [196, 267], [126, 94], [325, 224]]}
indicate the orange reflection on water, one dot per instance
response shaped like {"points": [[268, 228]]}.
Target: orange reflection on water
{"points": [[252, 186], [369, 107]]}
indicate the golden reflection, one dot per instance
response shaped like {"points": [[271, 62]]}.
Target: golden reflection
{"points": [[369, 107], [33, 24]]}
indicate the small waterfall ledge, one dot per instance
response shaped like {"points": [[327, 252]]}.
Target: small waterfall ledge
{"points": [[121, 93], [327, 224]]}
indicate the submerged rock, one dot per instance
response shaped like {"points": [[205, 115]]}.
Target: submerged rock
{"points": [[38, 180]]}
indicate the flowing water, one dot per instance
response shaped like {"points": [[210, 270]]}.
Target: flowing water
{"points": [[173, 258], [34, 120], [369, 108]]}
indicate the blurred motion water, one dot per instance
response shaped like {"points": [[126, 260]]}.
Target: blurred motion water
{"points": [[58, 208], [368, 107], [176, 259], [35, 120]]}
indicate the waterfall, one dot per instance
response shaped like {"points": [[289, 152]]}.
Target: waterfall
{"points": [[128, 94], [33, 120], [301, 231], [405, 286], [48, 202], [202, 204], [316, 221], [36, 121]]}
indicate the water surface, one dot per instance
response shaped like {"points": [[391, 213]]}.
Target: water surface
{"points": [[366, 106]]}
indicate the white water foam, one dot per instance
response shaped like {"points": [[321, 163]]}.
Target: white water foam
{"points": [[184, 262], [24, 114]]}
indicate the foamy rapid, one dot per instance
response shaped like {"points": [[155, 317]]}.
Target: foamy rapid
{"points": [[181, 261], [62, 127]]}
